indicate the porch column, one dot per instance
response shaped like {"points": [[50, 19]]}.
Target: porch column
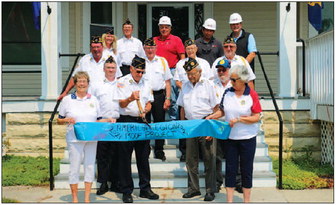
{"points": [[287, 49], [50, 47]]}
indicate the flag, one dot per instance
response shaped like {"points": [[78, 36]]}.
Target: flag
{"points": [[37, 14], [315, 14]]}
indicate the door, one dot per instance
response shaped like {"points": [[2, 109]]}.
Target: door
{"points": [[180, 14]]}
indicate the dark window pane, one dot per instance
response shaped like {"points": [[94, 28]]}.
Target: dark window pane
{"points": [[101, 13], [142, 9], [179, 17], [21, 42]]}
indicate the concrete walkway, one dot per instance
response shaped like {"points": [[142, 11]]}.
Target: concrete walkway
{"points": [[27, 194]]}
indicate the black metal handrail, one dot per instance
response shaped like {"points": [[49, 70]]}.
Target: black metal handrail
{"points": [[51, 160], [278, 114], [303, 66]]}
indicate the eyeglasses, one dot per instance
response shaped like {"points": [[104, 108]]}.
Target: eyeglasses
{"points": [[229, 46], [234, 79], [221, 70], [140, 72]]}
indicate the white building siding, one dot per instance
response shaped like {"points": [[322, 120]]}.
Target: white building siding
{"points": [[261, 20]]}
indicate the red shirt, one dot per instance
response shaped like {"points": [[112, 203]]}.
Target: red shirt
{"points": [[169, 49]]}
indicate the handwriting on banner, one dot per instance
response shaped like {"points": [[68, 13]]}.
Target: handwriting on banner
{"points": [[130, 132]]}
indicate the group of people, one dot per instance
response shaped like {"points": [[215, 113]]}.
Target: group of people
{"points": [[126, 80]]}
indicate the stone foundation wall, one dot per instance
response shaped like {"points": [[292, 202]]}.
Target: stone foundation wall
{"points": [[27, 134], [301, 135]]}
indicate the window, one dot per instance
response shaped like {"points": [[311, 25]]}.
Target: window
{"points": [[21, 42], [101, 17]]}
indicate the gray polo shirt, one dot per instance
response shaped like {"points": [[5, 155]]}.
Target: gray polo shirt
{"points": [[209, 51]]}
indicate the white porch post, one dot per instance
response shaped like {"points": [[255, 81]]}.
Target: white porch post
{"points": [[50, 47], [287, 49]]}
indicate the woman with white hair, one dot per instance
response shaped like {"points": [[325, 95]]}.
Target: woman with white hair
{"points": [[241, 107]]}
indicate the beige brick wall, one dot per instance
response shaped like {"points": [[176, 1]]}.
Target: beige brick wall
{"points": [[28, 134], [300, 134]]}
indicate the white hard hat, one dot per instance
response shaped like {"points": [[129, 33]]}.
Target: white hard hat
{"points": [[235, 18], [210, 24], [165, 20]]}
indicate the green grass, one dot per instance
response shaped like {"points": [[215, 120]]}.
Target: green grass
{"points": [[6, 200], [30, 171], [300, 173]]}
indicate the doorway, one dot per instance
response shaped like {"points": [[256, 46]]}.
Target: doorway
{"points": [[181, 15]]}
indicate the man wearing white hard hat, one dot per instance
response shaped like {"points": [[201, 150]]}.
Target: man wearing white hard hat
{"points": [[209, 48], [171, 48], [246, 44]]}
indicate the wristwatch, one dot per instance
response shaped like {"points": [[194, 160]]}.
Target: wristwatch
{"points": [[168, 98]]}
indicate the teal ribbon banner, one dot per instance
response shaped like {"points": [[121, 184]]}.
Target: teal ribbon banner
{"points": [[102, 131]]}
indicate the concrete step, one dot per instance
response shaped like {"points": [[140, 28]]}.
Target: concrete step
{"points": [[261, 163], [175, 179]]}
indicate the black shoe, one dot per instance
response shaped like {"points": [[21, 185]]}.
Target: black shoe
{"points": [[127, 198], [115, 189], [149, 195], [183, 158], [209, 197], [160, 155], [102, 189], [239, 189], [218, 188], [192, 194]]}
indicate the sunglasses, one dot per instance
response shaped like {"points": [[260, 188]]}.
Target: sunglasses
{"points": [[229, 46], [140, 72], [221, 70], [234, 80]]}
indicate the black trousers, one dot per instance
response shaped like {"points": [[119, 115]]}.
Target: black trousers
{"points": [[158, 114], [142, 151], [107, 162], [125, 69]]}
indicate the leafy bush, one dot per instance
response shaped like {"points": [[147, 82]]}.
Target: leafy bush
{"points": [[303, 173], [19, 170]]}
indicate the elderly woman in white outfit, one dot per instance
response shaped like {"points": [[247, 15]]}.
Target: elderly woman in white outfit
{"points": [[80, 107], [241, 107]]}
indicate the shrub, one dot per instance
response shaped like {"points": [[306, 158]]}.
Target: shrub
{"points": [[18, 170]]}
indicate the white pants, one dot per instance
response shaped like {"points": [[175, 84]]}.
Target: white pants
{"points": [[76, 151]]}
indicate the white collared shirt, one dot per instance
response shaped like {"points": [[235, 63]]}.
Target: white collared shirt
{"points": [[220, 89], [181, 74], [237, 59], [82, 110], [94, 69], [198, 101], [104, 91], [125, 86], [127, 48], [157, 72]]}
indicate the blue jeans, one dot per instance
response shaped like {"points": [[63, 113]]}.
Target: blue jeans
{"points": [[245, 151], [173, 110]]}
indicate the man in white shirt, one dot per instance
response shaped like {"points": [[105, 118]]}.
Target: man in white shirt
{"points": [[107, 153], [230, 49], [158, 73], [127, 47], [180, 77], [198, 100], [93, 64], [221, 82], [134, 94]]}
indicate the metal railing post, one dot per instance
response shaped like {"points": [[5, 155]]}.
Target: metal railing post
{"points": [[51, 160], [278, 114]]}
